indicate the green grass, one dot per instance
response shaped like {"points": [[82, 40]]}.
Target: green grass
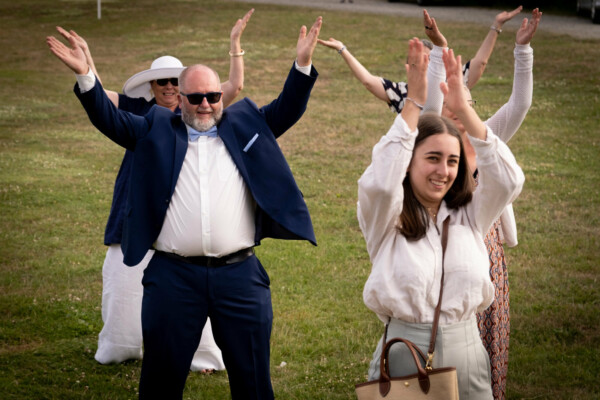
{"points": [[57, 174]]}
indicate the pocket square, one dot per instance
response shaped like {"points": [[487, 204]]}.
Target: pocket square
{"points": [[250, 143]]}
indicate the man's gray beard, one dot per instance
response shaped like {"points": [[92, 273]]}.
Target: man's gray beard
{"points": [[201, 126]]}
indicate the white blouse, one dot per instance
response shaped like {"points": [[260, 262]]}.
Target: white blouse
{"points": [[405, 278]]}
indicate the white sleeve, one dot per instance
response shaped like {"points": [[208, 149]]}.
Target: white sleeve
{"points": [[436, 74], [380, 192], [508, 227], [507, 120], [500, 180]]}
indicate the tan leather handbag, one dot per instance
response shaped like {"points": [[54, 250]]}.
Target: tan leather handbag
{"points": [[428, 383]]}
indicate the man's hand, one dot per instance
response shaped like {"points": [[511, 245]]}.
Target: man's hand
{"points": [[78, 39], [307, 43], [72, 57]]}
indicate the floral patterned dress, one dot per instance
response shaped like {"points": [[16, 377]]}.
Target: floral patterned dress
{"points": [[494, 322]]}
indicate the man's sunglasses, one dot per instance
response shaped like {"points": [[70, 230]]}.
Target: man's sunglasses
{"points": [[163, 82], [197, 98]]}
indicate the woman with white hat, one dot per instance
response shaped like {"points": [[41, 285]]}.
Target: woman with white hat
{"points": [[121, 336]]}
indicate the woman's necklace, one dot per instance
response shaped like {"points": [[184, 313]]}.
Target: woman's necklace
{"points": [[432, 213]]}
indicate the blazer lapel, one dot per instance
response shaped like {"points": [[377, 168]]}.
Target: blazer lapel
{"points": [[181, 145]]}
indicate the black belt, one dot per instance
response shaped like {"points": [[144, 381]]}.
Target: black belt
{"points": [[232, 258]]}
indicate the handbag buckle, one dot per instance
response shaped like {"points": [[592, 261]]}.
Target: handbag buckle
{"points": [[429, 363]]}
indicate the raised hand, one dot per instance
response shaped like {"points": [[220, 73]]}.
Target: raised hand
{"points": [[416, 71], [416, 82], [528, 27], [432, 31], [72, 34], [505, 16], [240, 25], [455, 96], [453, 89], [331, 43], [72, 57], [307, 43], [86, 50]]}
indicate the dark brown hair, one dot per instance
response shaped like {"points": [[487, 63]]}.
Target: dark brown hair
{"points": [[414, 220]]}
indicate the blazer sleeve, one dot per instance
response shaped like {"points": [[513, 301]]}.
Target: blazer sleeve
{"points": [[119, 126]]}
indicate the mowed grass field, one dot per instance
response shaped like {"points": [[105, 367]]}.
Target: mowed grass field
{"points": [[57, 174]]}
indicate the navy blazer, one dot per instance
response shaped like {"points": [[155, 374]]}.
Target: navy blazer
{"points": [[160, 140]]}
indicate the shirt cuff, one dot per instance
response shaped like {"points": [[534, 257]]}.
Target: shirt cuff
{"points": [[86, 82], [523, 49], [485, 149], [436, 56], [400, 132], [438, 51], [305, 70]]}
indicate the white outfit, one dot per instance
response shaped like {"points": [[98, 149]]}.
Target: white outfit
{"points": [[121, 335], [504, 123], [405, 278]]}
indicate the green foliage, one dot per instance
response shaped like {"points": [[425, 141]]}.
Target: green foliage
{"points": [[57, 174]]}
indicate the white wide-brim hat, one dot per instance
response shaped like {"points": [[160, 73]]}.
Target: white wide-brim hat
{"points": [[163, 67]]}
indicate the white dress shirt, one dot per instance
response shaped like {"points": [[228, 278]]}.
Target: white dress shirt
{"points": [[211, 212], [405, 278]]}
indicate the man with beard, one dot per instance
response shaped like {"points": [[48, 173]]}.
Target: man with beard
{"points": [[206, 187], [121, 336]]}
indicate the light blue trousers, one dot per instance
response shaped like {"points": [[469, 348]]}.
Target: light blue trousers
{"points": [[457, 345]]}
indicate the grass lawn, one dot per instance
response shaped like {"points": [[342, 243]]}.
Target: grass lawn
{"points": [[57, 174]]}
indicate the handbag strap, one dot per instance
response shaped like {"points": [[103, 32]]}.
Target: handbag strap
{"points": [[438, 308], [385, 384]]}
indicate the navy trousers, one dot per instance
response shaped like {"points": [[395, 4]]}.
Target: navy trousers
{"points": [[178, 297]]}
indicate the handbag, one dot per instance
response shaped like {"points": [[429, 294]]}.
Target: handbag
{"points": [[428, 383]]}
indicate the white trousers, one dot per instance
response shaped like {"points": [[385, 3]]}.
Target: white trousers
{"points": [[458, 345], [121, 336]]}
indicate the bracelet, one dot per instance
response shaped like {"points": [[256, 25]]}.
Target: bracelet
{"points": [[241, 53], [420, 106], [496, 29], [342, 49]]}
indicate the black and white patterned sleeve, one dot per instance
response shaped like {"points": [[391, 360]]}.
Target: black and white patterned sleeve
{"points": [[466, 69], [396, 92]]}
